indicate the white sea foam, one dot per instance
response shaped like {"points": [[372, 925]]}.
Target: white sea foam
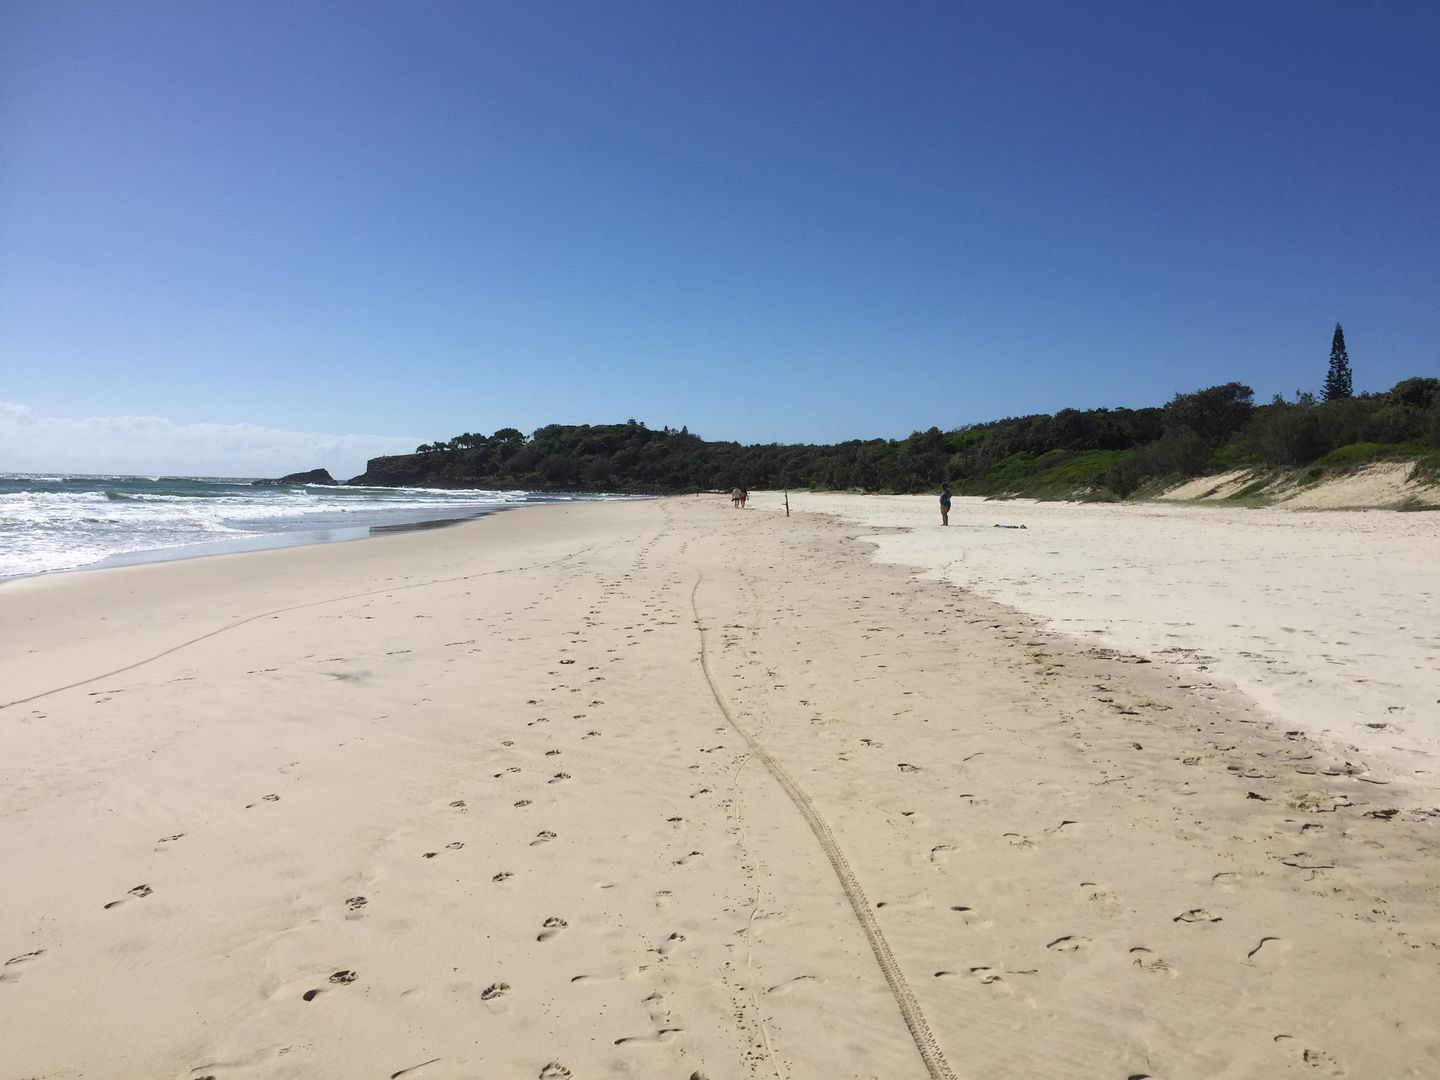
{"points": [[52, 522]]}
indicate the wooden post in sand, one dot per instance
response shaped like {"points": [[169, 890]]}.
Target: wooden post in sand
{"points": [[787, 504]]}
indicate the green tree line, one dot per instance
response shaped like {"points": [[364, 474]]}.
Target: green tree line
{"points": [[1102, 453]]}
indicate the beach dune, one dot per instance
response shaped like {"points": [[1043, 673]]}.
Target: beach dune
{"points": [[666, 789]]}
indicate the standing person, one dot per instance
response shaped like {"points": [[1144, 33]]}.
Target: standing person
{"points": [[944, 504], [744, 497], [735, 497]]}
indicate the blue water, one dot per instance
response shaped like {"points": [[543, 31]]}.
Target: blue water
{"points": [[60, 521]]}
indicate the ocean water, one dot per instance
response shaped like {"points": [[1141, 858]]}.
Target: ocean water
{"points": [[60, 522]]}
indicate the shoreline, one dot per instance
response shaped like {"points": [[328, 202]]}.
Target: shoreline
{"points": [[56, 523], [318, 537], [662, 788]]}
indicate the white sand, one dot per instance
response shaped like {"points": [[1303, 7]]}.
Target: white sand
{"points": [[671, 790], [1219, 486], [1331, 622], [1383, 485]]}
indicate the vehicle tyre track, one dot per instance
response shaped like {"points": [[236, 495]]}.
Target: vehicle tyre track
{"points": [[914, 1016]]}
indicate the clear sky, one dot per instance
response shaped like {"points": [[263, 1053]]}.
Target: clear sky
{"points": [[299, 233]]}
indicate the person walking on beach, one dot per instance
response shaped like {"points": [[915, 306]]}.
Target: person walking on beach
{"points": [[744, 497], [736, 498], [944, 504]]}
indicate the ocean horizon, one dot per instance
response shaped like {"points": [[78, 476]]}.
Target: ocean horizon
{"points": [[68, 521]]}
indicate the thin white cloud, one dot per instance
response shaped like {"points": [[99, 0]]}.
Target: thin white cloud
{"points": [[152, 445]]}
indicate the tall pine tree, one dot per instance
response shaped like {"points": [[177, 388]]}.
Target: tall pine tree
{"points": [[1339, 383]]}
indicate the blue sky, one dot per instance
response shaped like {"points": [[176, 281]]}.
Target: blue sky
{"points": [[396, 222]]}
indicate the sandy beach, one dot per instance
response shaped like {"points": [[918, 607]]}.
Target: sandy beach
{"points": [[665, 789], [1329, 621]]}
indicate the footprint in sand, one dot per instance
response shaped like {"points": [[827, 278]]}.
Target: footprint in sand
{"points": [[1146, 960], [919, 899], [666, 947], [1069, 943], [1316, 1059], [686, 858], [11, 972], [264, 798], [905, 766], [1319, 1059], [520, 804], [455, 845], [558, 777], [987, 976], [792, 984], [503, 875], [553, 925], [1196, 915], [552, 753], [542, 837], [663, 1035], [494, 990], [355, 903], [971, 917], [341, 978], [554, 1071], [139, 891], [458, 804]]}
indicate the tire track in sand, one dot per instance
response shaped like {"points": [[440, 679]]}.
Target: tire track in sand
{"points": [[914, 1016]]}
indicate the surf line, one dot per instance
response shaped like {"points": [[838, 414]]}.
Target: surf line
{"points": [[910, 1011]]}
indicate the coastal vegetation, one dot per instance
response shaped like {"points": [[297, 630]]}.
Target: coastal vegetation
{"points": [[1091, 453]]}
